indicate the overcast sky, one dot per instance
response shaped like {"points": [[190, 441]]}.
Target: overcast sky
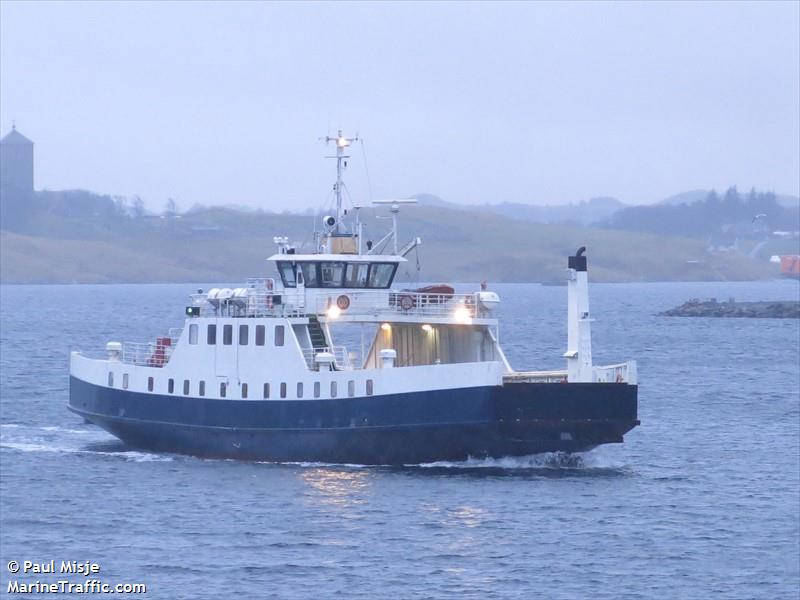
{"points": [[220, 103]]}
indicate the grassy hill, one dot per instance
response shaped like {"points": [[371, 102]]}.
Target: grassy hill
{"points": [[225, 245]]}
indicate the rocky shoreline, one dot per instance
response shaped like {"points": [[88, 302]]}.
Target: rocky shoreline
{"points": [[755, 310]]}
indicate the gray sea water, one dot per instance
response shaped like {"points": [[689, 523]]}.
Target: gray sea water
{"points": [[702, 500]]}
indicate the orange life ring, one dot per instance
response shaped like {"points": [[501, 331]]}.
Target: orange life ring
{"points": [[406, 302], [343, 302]]}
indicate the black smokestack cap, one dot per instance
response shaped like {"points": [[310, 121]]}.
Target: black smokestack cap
{"points": [[578, 262]]}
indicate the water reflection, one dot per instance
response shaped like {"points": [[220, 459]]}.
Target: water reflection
{"points": [[339, 488]]}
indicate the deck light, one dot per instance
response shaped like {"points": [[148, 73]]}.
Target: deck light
{"points": [[427, 328], [462, 315], [386, 327], [334, 312]]}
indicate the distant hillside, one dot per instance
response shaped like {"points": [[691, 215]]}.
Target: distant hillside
{"points": [[98, 240], [586, 212]]}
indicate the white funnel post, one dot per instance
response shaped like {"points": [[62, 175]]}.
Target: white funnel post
{"points": [[579, 333]]}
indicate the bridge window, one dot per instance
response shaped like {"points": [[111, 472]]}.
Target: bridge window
{"points": [[171, 386], [380, 274], [244, 390], [260, 330], [243, 335], [202, 388], [356, 275], [193, 333], [124, 381], [310, 274], [110, 379], [369, 387], [212, 335], [299, 390], [283, 390], [149, 384], [316, 389], [185, 387], [333, 389], [287, 271], [331, 274], [279, 335], [227, 334], [266, 390], [223, 389]]}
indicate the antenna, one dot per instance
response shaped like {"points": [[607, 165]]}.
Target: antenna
{"points": [[342, 143]]}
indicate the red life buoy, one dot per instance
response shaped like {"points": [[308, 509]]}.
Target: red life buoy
{"points": [[406, 302], [343, 302]]}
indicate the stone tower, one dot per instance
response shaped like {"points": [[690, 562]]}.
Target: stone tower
{"points": [[16, 165]]}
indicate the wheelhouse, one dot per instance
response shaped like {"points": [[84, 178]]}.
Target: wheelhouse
{"points": [[336, 271]]}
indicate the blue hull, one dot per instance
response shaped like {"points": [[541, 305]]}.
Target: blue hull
{"points": [[511, 420]]}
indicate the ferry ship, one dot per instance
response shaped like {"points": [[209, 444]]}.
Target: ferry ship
{"points": [[256, 374]]}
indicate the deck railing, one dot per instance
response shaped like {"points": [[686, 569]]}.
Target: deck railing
{"points": [[341, 356]]}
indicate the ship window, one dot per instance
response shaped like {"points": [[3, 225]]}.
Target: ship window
{"points": [[212, 335], [316, 389], [202, 388], [333, 389], [243, 335], [369, 387], [299, 389], [227, 334], [223, 389], [331, 274], [124, 381], [149, 384], [260, 329], [351, 388], [279, 335], [110, 379], [193, 333], [266, 390], [283, 390], [310, 274], [185, 387], [287, 270], [356, 275], [244, 390], [380, 274], [171, 386]]}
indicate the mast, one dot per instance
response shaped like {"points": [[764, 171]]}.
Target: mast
{"points": [[342, 143]]}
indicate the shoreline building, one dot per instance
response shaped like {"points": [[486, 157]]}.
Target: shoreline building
{"points": [[16, 165]]}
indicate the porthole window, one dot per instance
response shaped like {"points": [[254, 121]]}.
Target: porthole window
{"points": [[110, 379], [223, 389], [266, 390], [185, 387], [351, 388], [244, 390], [283, 390], [227, 335], [299, 390], [279, 335], [243, 331], [369, 387], [201, 388], [149, 384], [333, 389], [316, 389], [171, 386], [193, 333], [260, 330], [124, 381], [212, 335]]}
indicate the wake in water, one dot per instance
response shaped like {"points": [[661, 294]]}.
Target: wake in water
{"points": [[59, 440]]}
